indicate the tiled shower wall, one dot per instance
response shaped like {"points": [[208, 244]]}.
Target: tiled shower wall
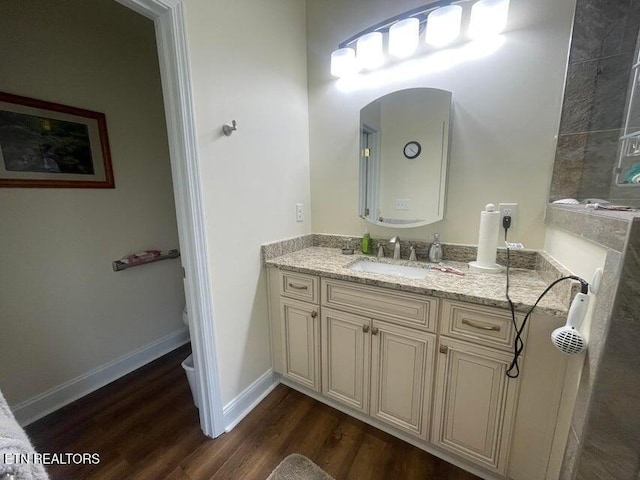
{"points": [[604, 438], [611, 438], [605, 34]]}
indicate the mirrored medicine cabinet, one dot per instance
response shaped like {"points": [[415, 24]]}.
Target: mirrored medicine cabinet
{"points": [[404, 152]]}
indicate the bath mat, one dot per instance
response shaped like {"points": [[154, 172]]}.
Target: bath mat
{"points": [[298, 467]]}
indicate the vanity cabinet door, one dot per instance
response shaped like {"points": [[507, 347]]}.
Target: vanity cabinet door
{"points": [[346, 344], [300, 330], [402, 364], [474, 403]]}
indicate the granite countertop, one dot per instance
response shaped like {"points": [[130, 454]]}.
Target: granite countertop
{"points": [[480, 288]]}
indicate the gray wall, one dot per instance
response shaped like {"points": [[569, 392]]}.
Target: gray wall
{"points": [[611, 439], [604, 438], [602, 52]]}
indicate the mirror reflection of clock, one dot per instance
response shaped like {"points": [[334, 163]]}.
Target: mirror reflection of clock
{"points": [[412, 150]]}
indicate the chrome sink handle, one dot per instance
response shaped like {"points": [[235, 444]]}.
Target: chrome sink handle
{"points": [[381, 250]]}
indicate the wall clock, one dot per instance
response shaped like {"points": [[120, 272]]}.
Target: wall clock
{"points": [[412, 149]]}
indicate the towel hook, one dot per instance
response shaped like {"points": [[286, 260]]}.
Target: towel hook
{"points": [[228, 129]]}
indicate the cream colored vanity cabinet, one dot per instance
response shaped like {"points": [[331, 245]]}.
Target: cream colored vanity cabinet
{"points": [[475, 401], [346, 353], [402, 363], [295, 329], [371, 362], [432, 368]]}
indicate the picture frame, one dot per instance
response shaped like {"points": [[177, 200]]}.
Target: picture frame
{"points": [[49, 145]]}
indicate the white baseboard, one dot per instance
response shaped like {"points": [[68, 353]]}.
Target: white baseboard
{"points": [[45, 403], [239, 407]]}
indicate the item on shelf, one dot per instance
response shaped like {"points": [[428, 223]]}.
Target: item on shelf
{"points": [[141, 257], [615, 208], [633, 175], [633, 147]]}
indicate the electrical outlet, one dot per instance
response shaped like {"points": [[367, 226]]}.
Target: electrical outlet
{"points": [[510, 210], [402, 204], [299, 212]]}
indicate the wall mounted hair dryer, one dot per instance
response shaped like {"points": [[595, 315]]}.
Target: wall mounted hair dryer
{"points": [[568, 339]]}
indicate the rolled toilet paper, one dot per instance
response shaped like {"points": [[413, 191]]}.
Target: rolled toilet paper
{"points": [[488, 241]]}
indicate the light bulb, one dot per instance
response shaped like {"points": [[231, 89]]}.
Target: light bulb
{"points": [[369, 50], [443, 25], [343, 62], [488, 17], [403, 37]]}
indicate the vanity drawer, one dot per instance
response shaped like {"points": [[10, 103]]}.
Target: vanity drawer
{"points": [[299, 286], [402, 308], [488, 326]]}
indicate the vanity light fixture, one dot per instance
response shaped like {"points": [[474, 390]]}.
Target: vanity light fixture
{"points": [[403, 37], [369, 50], [441, 20], [488, 17], [343, 62], [443, 25]]}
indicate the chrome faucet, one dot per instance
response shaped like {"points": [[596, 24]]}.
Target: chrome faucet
{"points": [[396, 248]]}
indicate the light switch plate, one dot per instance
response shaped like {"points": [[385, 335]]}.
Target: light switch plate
{"points": [[402, 204]]}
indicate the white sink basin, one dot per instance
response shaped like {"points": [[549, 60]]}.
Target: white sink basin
{"points": [[389, 269]]}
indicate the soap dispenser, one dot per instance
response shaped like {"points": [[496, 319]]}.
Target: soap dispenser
{"points": [[435, 251], [366, 242]]}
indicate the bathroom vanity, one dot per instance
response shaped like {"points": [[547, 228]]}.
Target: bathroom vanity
{"points": [[424, 359]]}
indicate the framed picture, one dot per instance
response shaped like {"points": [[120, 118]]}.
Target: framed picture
{"points": [[44, 144]]}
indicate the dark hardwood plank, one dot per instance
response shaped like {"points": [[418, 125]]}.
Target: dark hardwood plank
{"points": [[341, 447], [374, 456], [252, 457], [145, 426], [178, 474], [211, 456]]}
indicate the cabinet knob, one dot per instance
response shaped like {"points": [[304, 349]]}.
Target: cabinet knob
{"points": [[444, 349], [365, 328], [314, 314], [374, 331]]}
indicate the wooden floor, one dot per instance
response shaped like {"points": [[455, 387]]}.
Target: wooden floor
{"points": [[144, 426]]}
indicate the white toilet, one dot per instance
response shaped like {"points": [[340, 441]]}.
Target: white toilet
{"points": [[188, 365]]}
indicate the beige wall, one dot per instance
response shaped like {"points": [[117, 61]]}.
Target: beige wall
{"points": [[506, 116], [248, 63], [63, 311], [579, 256]]}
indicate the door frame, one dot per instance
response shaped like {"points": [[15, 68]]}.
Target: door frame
{"points": [[169, 20]]}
